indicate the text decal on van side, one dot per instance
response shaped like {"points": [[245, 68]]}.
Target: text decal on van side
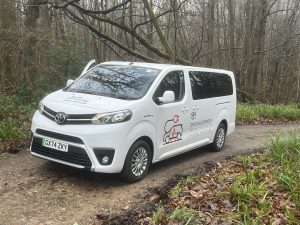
{"points": [[173, 130], [200, 123]]}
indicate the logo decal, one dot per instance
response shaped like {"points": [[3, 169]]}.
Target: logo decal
{"points": [[60, 118], [173, 130]]}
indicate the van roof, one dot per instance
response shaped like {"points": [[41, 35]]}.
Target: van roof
{"points": [[163, 66]]}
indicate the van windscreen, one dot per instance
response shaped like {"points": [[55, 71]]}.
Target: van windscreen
{"points": [[116, 81]]}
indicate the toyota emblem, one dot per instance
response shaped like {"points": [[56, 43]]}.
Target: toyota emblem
{"points": [[60, 118]]}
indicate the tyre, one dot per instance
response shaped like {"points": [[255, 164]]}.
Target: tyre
{"points": [[137, 162], [219, 139]]}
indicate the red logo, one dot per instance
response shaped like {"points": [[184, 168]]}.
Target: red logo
{"points": [[176, 119]]}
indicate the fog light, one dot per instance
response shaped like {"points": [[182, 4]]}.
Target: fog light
{"points": [[105, 160], [104, 156]]}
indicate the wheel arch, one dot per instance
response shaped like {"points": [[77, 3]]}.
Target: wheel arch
{"points": [[145, 131], [222, 118], [149, 141]]}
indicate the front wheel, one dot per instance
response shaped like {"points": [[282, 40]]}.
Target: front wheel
{"points": [[219, 139], [137, 162]]}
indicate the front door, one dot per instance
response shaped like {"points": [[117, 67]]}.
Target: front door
{"points": [[172, 118]]}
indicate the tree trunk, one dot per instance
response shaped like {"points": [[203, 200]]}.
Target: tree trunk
{"points": [[8, 34], [32, 15], [259, 36], [210, 31], [45, 25], [159, 31], [231, 29]]}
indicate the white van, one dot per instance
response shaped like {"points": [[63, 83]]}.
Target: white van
{"points": [[119, 117]]}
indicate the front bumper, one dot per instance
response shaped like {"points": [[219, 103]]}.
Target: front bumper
{"points": [[84, 141]]}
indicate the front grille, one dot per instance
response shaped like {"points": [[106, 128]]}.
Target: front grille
{"points": [[48, 116], [81, 116], [49, 111], [59, 136], [70, 118], [74, 155]]}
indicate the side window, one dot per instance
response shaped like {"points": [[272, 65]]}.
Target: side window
{"points": [[227, 85], [210, 85], [173, 81], [199, 84], [222, 84]]}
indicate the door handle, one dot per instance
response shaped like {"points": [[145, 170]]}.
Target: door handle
{"points": [[195, 107], [185, 109]]}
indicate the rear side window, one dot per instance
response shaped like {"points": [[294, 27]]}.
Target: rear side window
{"points": [[210, 85], [173, 81]]}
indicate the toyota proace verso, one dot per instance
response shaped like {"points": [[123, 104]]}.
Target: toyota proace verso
{"points": [[119, 117]]}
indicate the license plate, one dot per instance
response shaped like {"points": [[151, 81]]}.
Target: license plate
{"points": [[57, 145]]}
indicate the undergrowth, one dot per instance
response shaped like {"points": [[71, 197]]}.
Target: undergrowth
{"points": [[263, 188], [285, 155], [15, 117], [254, 112]]}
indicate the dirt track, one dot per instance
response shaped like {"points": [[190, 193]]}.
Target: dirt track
{"points": [[34, 191]]}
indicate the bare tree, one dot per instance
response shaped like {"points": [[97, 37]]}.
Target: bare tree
{"points": [[257, 39]]}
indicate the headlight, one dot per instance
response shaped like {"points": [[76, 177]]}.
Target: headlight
{"points": [[41, 107], [112, 117]]}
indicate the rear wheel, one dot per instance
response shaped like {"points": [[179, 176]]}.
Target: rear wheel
{"points": [[137, 162], [219, 139]]}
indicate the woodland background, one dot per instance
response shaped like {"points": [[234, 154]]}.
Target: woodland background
{"points": [[45, 42]]}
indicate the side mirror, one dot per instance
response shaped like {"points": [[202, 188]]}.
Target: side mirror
{"points": [[69, 82], [167, 97]]}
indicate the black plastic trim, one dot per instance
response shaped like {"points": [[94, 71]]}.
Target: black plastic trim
{"points": [[59, 136], [100, 152], [75, 155], [76, 118]]}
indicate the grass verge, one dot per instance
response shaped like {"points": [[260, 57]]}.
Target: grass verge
{"points": [[264, 113], [263, 188]]}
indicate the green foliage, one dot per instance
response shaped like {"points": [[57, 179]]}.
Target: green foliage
{"points": [[250, 193], [180, 214], [252, 112], [54, 63], [183, 215], [158, 215], [175, 191], [285, 153], [14, 118], [253, 197]]}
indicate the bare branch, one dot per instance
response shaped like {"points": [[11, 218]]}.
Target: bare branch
{"points": [[280, 45], [104, 12], [74, 17]]}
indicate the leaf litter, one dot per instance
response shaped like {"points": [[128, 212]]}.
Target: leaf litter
{"points": [[241, 190]]}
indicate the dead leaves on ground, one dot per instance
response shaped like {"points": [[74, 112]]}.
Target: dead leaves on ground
{"points": [[13, 147], [266, 121], [210, 196]]}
